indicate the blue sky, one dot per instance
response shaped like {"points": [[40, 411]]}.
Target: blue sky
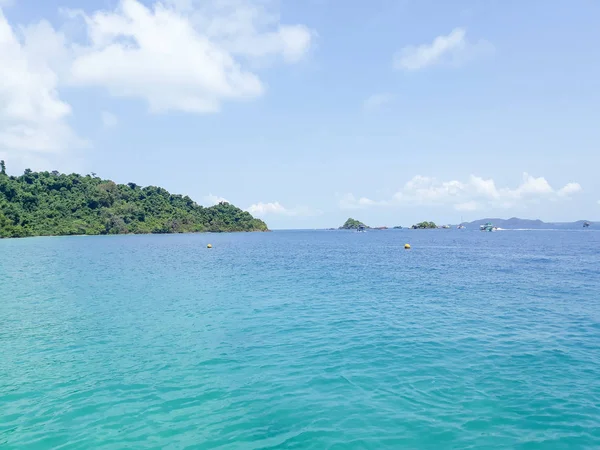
{"points": [[308, 112]]}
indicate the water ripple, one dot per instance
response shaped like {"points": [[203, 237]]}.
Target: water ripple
{"points": [[307, 340]]}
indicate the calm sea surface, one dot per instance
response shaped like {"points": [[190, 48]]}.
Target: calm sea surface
{"points": [[302, 340]]}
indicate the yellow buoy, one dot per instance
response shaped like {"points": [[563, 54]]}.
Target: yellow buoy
{"points": [[209, 246], [407, 246]]}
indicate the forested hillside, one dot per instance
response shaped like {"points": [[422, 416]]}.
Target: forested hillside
{"points": [[51, 203]]}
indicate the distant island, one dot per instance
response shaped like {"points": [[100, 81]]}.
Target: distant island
{"points": [[516, 223], [507, 224], [424, 225], [54, 204], [353, 224]]}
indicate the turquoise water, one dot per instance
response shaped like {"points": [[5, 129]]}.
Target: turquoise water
{"points": [[304, 340]]}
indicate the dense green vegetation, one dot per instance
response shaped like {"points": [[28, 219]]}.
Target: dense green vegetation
{"points": [[352, 224], [422, 225], [50, 203]]}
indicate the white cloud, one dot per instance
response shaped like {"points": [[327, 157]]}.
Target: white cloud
{"points": [[532, 185], [241, 28], [425, 189], [349, 201], [570, 188], [262, 209], [376, 101], [454, 49], [109, 120], [474, 194], [33, 118], [183, 55], [250, 29], [212, 200], [484, 188], [275, 208]]}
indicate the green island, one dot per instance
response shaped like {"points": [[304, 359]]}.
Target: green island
{"points": [[424, 225], [353, 224], [55, 204]]}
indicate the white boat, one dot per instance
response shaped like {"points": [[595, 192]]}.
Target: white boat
{"points": [[488, 227]]}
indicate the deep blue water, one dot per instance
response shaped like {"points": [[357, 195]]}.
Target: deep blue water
{"points": [[302, 340]]}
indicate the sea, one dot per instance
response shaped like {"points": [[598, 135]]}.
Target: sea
{"points": [[301, 340]]}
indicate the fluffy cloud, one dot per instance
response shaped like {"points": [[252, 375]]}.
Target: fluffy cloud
{"points": [[376, 101], [185, 56], [568, 189], [349, 201], [275, 208], [474, 194], [33, 118], [454, 48], [262, 209], [212, 200], [247, 28]]}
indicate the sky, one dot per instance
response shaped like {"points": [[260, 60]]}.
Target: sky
{"points": [[308, 112]]}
